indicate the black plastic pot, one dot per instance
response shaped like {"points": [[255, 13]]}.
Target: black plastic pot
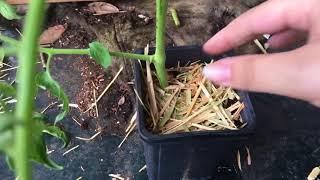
{"points": [[192, 155]]}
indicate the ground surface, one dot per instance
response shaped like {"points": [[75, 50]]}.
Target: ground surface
{"points": [[286, 144]]}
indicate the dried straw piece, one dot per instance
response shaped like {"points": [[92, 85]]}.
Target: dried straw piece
{"points": [[234, 106], [248, 156], [236, 115], [195, 98], [168, 113], [202, 127], [166, 105], [257, 42], [116, 176], [95, 104], [140, 100], [91, 138], [314, 173], [105, 90], [239, 160], [151, 92], [127, 135], [132, 120], [72, 149], [143, 168], [186, 121], [192, 103]]}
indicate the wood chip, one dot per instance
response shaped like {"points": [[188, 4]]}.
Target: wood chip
{"points": [[314, 173], [52, 34], [121, 101], [101, 8]]}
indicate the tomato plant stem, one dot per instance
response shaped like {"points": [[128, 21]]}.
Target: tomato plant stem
{"points": [[53, 51], [133, 56], [160, 54], [26, 88]]}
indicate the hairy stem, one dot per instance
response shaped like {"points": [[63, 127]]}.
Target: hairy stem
{"points": [[26, 88], [133, 56], [52, 51], [160, 54]]}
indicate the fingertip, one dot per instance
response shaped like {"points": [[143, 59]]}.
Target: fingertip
{"points": [[218, 72], [207, 47]]}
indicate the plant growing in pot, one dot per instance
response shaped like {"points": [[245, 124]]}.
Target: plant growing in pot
{"points": [[191, 154], [190, 128]]}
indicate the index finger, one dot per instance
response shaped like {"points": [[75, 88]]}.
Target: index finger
{"points": [[268, 18]]}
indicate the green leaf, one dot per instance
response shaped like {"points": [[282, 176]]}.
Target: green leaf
{"points": [[7, 11], [10, 162], [38, 151], [6, 138], [7, 122], [6, 90], [58, 133], [100, 54], [45, 80]]}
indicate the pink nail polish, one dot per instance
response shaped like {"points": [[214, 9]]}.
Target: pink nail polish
{"points": [[219, 73]]}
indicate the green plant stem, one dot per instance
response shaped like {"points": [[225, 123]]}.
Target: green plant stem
{"points": [[9, 40], [53, 51], [160, 54], [133, 56], [26, 88]]}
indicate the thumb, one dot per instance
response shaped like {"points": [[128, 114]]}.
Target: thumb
{"points": [[289, 74]]}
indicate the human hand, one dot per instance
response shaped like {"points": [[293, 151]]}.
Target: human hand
{"points": [[294, 73]]}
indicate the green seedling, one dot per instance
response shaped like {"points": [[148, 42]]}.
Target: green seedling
{"points": [[21, 128]]}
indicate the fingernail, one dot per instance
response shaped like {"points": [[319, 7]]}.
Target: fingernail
{"points": [[219, 73]]}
